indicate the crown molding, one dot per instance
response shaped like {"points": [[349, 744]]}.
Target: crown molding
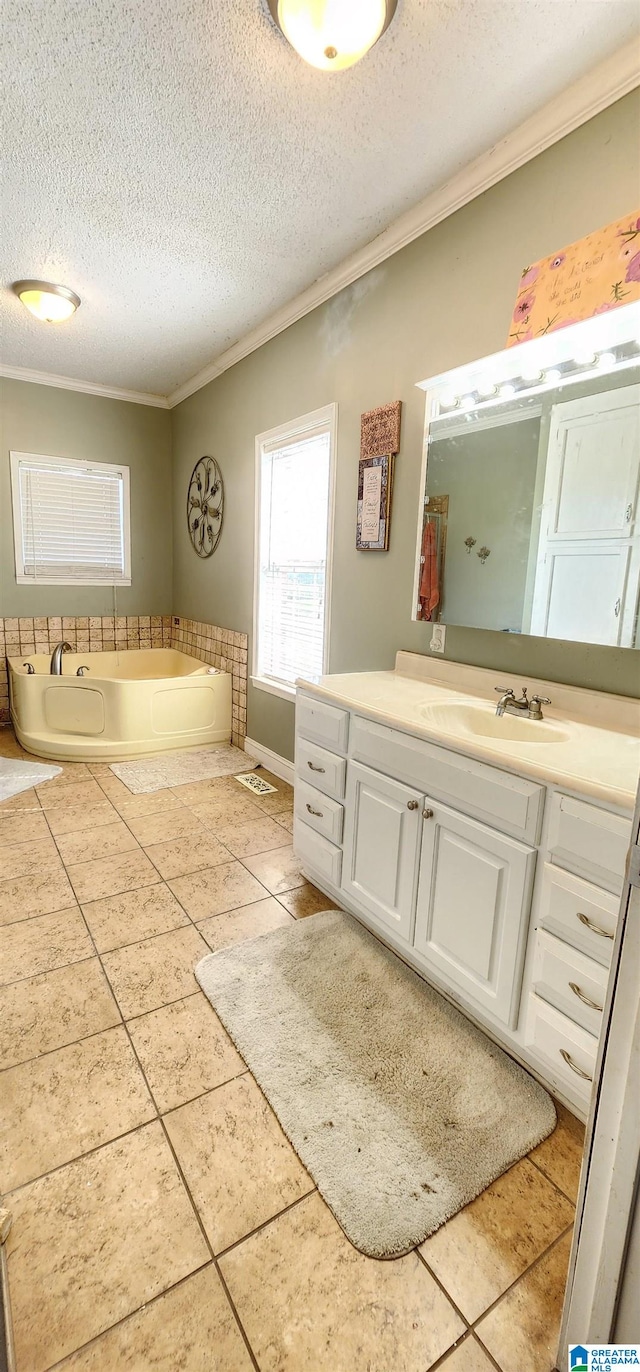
{"points": [[70, 383], [595, 91]]}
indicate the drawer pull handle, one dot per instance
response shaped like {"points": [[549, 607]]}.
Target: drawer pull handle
{"points": [[314, 768], [427, 814], [412, 805], [574, 1066], [314, 812], [595, 928], [585, 999]]}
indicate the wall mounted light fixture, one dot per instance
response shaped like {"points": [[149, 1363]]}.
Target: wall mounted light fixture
{"points": [[49, 303], [332, 34]]}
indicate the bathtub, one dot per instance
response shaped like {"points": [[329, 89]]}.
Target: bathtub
{"points": [[130, 703]]}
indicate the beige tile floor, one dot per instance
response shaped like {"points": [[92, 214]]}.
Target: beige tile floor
{"points": [[161, 1221]]}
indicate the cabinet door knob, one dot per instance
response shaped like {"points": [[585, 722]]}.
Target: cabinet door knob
{"points": [[585, 999], [574, 1066], [412, 805], [427, 814], [595, 928]]}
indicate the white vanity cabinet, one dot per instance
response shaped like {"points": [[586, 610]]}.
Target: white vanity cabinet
{"points": [[501, 891]]}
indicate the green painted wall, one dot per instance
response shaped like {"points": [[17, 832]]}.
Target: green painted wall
{"points": [[44, 419], [443, 300]]}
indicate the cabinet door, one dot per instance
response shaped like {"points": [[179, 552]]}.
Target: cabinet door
{"points": [[383, 822], [473, 907]]}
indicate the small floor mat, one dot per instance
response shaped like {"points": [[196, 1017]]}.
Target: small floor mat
{"points": [[17, 776], [401, 1110], [177, 769]]}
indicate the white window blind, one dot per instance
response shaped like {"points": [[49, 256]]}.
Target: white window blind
{"points": [[71, 520], [292, 553]]}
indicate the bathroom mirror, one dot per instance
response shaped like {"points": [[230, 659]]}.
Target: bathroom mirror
{"points": [[534, 454]]}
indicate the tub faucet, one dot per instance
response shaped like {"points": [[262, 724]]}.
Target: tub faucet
{"points": [[56, 658]]}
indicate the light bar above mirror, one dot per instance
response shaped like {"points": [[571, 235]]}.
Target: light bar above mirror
{"points": [[608, 342]]}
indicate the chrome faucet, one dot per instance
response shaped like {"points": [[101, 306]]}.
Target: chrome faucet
{"points": [[56, 658], [508, 704]]}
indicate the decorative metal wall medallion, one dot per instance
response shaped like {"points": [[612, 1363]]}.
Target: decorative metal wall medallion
{"points": [[205, 506]]}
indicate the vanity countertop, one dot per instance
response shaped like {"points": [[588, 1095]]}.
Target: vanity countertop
{"points": [[594, 748]]}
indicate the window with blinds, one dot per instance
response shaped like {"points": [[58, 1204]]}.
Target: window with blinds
{"points": [[294, 472], [71, 521]]}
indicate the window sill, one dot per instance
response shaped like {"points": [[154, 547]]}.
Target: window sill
{"points": [[69, 581], [273, 688]]}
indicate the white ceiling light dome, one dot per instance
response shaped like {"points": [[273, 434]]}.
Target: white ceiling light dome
{"points": [[47, 302], [332, 34]]}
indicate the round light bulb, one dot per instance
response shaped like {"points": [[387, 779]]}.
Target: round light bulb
{"points": [[48, 303], [552, 376], [507, 390], [585, 358], [486, 389], [533, 374], [448, 400], [606, 360], [332, 34], [467, 402]]}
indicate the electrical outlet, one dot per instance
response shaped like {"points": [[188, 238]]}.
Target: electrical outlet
{"points": [[437, 638]]}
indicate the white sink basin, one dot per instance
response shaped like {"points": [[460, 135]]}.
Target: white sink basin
{"points": [[483, 722]]}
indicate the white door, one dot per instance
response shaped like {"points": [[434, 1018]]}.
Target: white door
{"points": [[588, 564], [588, 592], [473, 908], [383, 821]]}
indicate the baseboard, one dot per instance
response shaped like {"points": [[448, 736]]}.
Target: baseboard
{"points": [[280, 766]]}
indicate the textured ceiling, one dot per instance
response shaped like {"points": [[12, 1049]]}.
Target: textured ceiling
{"points": [[177, 164]]}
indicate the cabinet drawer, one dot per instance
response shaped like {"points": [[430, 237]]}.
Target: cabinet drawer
{"points": [[589, 841], [320, 768], [319, 811], [508, 802], [575, 984], [581, 914], [312, 848], [322, 723], [566, 1050]]}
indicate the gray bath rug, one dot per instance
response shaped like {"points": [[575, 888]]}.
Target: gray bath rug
{"points": [[17, 776], [401, 1110], [176, 769]]}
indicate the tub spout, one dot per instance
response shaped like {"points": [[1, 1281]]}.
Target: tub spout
{"points": [[56, 658]]}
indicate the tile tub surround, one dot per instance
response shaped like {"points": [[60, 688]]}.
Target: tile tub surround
{"points": [[101, 1275], [222, 648], [226, 649]]}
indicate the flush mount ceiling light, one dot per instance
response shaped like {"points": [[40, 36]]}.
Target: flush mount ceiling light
{"points": [[332, 34], [49, 303]]}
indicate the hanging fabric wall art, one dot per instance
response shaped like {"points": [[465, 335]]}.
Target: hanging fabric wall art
{"points": [[589, 277]]}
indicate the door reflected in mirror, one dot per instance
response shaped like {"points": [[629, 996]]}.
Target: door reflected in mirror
{"points": [[529, 521]]}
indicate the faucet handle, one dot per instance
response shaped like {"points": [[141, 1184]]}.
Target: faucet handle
{"points": [[541, 700], [504, 690]]}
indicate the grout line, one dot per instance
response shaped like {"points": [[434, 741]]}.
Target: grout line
{"points": [[153, 1300], [545, 1252], [72, 1043], [272, 1218], [552, 1182], [159, 1117], [79, 1157], [421, 1258]]}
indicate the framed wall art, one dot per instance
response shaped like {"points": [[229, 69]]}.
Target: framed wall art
{"points": [[375, 481]]}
